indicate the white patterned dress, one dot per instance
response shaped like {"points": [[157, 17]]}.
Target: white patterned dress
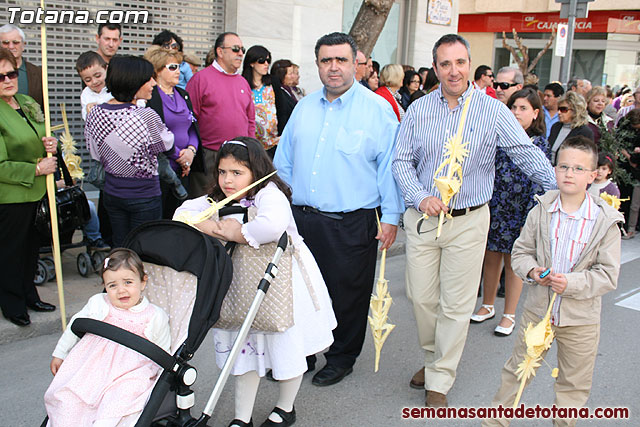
{"points": [[283, 352]]}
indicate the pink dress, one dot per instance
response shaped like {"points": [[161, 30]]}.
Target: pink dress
{"points": [[101, 381]]}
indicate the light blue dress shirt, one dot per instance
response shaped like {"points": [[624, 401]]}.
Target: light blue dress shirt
{"points": [[549, 121], [336, 156], [185, 75]]}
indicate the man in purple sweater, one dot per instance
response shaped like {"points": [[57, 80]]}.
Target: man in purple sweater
{"points": [[222, 103]]}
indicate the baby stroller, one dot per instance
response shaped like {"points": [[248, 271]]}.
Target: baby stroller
{"points": [[73, 213], [189, 284]]}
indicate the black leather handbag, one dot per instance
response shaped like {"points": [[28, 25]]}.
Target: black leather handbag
{"points": [[72, 206]]}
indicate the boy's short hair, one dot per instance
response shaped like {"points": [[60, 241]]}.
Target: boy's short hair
{"points": [[89, 59], [582, 143]]}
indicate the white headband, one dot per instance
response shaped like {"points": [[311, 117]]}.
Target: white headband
{"points": [[106, 262], [235, 142]]}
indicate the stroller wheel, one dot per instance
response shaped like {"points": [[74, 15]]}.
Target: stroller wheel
{"points": [[97, 258], [41, 273], [51, 268], [83, 262]]}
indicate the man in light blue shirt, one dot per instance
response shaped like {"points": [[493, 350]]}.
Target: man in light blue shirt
{"points": [[552, 92], [335, 153]]}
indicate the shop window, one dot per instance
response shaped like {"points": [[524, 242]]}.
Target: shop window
{"points": [[588, 64]]}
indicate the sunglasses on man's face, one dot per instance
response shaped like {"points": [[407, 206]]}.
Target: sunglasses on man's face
{"points": [[489, 75], [172, 67], [503, 85], [235, 49], [170, 45], [564, 109], [263, 60], [11, 75]]}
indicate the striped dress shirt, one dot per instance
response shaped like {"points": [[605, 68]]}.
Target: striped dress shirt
{"points": [[429, 123], [568, 236]]}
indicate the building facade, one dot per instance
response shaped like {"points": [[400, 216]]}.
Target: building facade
{"points": [[288, 28], [606, 47]]}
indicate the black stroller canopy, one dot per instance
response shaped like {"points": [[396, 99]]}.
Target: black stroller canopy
{"points": [[184, 248]]}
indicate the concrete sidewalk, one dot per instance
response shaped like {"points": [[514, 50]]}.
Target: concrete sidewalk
{"points": [[78, 290]]}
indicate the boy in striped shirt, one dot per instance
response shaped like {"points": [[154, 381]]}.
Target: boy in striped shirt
{"points": [[576, 235]]}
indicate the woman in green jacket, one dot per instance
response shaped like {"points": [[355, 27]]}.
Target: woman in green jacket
{"points": [[23, 166]]}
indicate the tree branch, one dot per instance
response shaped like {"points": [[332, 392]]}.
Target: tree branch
{"points": [[511, 49], [542, 52]]}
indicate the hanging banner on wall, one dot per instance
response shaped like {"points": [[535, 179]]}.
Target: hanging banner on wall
{"points": [[561, 40], [439, 12]]}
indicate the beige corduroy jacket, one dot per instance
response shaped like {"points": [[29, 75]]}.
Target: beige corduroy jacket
{"points": [[594, 274]]}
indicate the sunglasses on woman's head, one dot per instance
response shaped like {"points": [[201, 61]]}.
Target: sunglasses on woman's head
{"points": [[503, 85], [11, 75], [263, 60], [563, 109], [172, 67]]}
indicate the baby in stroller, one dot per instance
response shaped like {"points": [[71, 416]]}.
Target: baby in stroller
{"points": [[97, 381]]}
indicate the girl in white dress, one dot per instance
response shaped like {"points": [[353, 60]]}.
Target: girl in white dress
{"points": [[241, 162]]}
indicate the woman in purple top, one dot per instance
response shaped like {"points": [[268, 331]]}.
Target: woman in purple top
{"points": [[127, 140], [174, 108]]}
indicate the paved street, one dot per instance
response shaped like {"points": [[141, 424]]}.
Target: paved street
{"points": [[368, 398]]}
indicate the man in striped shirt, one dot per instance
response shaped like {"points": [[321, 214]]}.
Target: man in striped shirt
{"points": [[443, 274]]}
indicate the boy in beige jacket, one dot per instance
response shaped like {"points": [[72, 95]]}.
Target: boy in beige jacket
{"points": [[576, 235]]}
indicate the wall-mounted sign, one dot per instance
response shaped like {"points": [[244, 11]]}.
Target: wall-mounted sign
{"points": [[561, 40], [439, 12], [599, 21]]}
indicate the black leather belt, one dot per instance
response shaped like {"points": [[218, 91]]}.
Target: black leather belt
{"points": [[332, 215], [460, 212]]}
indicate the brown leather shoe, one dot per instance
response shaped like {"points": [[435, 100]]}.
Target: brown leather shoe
{"points": [[418, 380], [434, 399]]}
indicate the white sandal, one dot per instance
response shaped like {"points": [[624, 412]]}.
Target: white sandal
{"points": [[501, 331], [479, 318]]}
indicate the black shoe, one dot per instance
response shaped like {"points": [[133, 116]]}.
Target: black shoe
{"points": [[241, 423], [288, 418], [41, 306], [330, 375], [20, 320], [99, 245]]}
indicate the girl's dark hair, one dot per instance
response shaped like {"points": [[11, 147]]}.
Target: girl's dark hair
{"points": [[279, 69], [165, 36], [126, 74], [253, 54], [538, 126], [123, 257], [254, 157], [408, 76], [430, 80], [606, 159]]}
